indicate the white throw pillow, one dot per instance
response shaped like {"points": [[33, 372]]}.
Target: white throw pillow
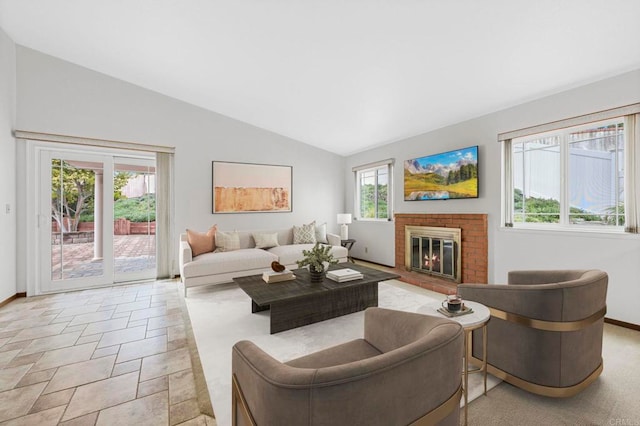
{"points": [[321, 233], [305, 234], [265, 241], [227, 241]]}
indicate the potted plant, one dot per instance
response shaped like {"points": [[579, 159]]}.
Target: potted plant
{"points": [[315, 259]]}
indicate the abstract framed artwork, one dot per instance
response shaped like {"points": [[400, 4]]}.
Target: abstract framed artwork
{"points": [[251, 188]]}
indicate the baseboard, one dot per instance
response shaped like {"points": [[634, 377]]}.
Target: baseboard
{"points": [[373, 263], [12, 298], [632, 326]]}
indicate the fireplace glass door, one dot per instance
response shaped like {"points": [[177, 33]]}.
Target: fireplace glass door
{"points": [[434, 256]]}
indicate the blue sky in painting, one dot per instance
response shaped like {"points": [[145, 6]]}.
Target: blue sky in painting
{"points": [[450, 158]]}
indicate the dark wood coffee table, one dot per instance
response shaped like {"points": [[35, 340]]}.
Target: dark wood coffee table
{"points": [[299, 302]]}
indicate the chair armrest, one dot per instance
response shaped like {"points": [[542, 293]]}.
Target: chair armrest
{"points": [[542, 277], [334, 239], [274, 392], [543, 302], [185, 255], [248, 355], [388, 329]]}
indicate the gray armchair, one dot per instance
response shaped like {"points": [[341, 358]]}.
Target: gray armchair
{"points": [[545, 332], [406, 370]]}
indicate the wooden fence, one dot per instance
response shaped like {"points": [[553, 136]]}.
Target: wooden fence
{"points": [[120, 227]]}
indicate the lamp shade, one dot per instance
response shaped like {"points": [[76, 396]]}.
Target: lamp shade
{"points": [[344, 218]]}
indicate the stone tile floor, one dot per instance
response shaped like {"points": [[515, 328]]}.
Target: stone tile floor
{"points": [[122, 355]]}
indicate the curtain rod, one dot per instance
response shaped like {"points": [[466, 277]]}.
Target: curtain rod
{"points": [[103, 143], [573, 121]]}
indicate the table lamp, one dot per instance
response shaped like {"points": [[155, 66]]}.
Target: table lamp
{"points": [[343, 220]]}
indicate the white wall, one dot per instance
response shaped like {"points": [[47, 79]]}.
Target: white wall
{"points": [[377, 237], [58, 97], [511, 249], [7, 166]]}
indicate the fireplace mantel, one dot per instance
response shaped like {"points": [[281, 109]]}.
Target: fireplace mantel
{"points": [[474, 244]]}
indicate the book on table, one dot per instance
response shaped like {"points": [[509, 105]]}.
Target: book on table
{"points": [[343, 275], [276, 277]]}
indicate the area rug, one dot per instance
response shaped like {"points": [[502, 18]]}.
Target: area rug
{"points": [[221, 316]]}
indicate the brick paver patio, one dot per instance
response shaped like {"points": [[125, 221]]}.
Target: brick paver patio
{"points": [[132, 253]]}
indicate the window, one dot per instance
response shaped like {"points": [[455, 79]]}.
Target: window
{"points": [[570, 177], [373, 190], [578, 173]]}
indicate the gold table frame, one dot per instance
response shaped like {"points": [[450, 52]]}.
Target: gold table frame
{"points": [[468, 357], [478, 323]]}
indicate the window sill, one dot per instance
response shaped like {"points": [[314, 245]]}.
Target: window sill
{"points": [[574, 230]]}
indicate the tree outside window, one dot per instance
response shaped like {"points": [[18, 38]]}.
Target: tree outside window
{"points": [[72, 193], [373, 192]]}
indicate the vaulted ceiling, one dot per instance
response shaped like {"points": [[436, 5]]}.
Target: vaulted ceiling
{"points": [[343, 75]]}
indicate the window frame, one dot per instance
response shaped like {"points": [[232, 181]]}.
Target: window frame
{"points": [[628, 115], [374, 167], [565, 176]]}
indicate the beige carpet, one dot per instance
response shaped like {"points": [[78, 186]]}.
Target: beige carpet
{"points": [[221, 315], [611, 400]]}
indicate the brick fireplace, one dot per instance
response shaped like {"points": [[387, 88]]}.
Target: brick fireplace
{"points": [[473, 248]]}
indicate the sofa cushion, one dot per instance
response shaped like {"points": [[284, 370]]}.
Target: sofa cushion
{"points": [[229, 261], [202, 242], [321, 233], [265, 240], [288, 255], [227, 241], [285, 236], [305, 234]]}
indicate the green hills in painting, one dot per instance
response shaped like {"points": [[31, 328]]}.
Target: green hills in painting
{"points": [[461, 183]]}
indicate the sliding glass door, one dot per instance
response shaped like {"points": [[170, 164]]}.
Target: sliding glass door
{"points": [[96, 219], [134, 227], [73, 210]]}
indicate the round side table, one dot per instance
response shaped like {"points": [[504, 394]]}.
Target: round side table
{"points": [[478, 319]]}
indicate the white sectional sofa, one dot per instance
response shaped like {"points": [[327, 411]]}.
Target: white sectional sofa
{"points": [[222, 267]]}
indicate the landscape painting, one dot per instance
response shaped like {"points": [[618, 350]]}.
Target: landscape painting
{"points": [[452, 174], [244, 187]]}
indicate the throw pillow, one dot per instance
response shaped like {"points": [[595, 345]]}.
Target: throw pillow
{"points": [[227, 241], [265, 241], [305, 234], [321, 233], [202, 242]]}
